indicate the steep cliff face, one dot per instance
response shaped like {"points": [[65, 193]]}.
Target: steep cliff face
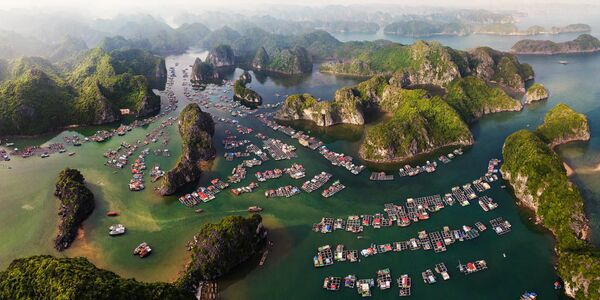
{"points": [[221, 56], [540, 183], [536, 92], [323, 113], [348, 106], [203, 73], [502, 68], [196, 129], [76, 204], [289, 61], [220, 247], [243, 93]]}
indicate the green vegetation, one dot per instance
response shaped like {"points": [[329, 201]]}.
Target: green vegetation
{"points": [[541, 183], [196, 129], [418, 124], [583, 43], [536, 92], [563, 124], [217, 249], [221, 56], [36, 96], [244, 94], [47, 277], [76, 204], [220, 247], [429, 63], [472, 98], [290, 61], [426, 27], [422, 28]]}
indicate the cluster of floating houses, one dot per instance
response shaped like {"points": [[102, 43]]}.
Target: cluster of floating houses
{"points": [[136, 183], [415, 209], [336, 159], [384, 281], [437, 241]]}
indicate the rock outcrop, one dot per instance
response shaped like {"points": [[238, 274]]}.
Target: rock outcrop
{"points": [[288, 61], [203, 73], [418, 124], [348, 106], [536, 92], [220, 247], [563, 125], [584, 43], [244, 94], [76, 204], [49, 277], [540, 183], [196, 129], [473, 98], [431, 63], [221, 56]]}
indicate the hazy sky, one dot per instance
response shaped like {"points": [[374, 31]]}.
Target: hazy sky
{"points": [[110, 7]]}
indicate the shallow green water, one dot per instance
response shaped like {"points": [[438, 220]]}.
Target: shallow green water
{"points": [[28, 209]]}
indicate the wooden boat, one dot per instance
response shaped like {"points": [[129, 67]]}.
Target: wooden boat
{"points": [[112, 213]]}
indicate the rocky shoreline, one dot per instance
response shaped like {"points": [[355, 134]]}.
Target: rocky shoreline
{"points": [[76, 205], [584, 43], [554, 199], [196, 129]]}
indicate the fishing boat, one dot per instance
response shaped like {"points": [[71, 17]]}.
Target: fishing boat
{"points": [[117, 229], [71, 153], [112, 213], [199, 210], [563, 62], [254, 209], [142, 250], [528, 296]]}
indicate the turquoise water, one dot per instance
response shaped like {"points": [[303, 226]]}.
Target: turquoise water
{"points": [[28, 209]]}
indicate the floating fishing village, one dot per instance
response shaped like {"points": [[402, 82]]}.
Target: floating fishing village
{"points": [[266, 164]]}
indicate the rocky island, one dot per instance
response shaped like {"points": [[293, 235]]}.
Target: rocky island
{"points": [[472, 98], [431, 63], [76, 205], [584, 43], [37, 96], [196, 129], [426, 28], [348, 106], [418, 124], [563, 125], [556, 201], [536, 92], [203, 73], [71, 278], [288, 61], [220, 247], [216, 250], [243, 93], [221, 56]]}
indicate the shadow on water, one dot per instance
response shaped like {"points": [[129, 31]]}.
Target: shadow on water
{"points": [[281, 239], [344, 132], [286, 81]]}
